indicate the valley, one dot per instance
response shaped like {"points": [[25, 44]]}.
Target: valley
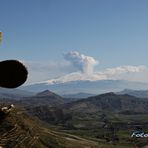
{"points": [[48, 120]]}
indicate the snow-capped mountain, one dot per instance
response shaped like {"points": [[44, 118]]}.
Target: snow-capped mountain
{"points": [[86, 86]]}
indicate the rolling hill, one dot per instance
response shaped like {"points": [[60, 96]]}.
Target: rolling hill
{"points": [[42, 98], [98, 116], [78, 95], [109, 104], [46, 120]]}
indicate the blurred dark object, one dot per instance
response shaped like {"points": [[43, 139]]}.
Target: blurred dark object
{"points": [[12, 73]]}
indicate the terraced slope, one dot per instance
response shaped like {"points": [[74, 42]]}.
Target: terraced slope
{"points": [[19, 130]]}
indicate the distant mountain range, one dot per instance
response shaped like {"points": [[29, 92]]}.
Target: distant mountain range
{"points": [[14, 93], [136, 93], [89, 87]]}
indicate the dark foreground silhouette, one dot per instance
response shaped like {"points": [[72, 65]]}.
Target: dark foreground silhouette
{"points": [[12, 73]]}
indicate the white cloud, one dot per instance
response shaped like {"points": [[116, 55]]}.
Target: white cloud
{"points": [[80, 67], [111, 73], [123, 69], [82, 62]]}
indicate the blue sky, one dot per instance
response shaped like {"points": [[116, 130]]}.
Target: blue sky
{"points": [[114, 32]]}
